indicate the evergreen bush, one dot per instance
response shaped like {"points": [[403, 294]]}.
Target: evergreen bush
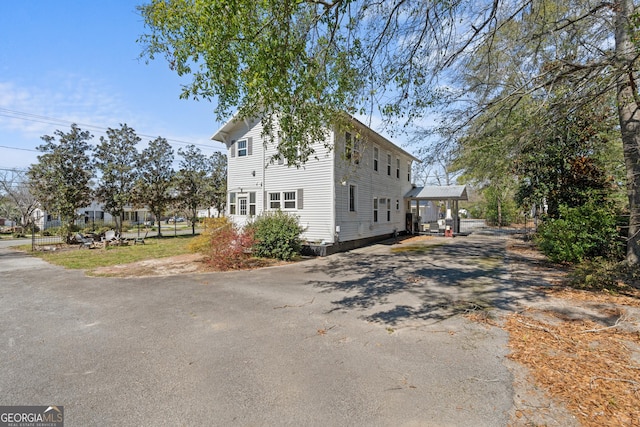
{"points": [[277, 235], [581, 233]]}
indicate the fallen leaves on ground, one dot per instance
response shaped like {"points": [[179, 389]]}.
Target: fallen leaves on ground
{"points": [[590, 361]]}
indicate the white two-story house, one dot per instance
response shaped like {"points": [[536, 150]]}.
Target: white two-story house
{"points": [[349, 193]]}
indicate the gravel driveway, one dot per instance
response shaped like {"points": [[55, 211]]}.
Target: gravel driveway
{"points": [[365, 338]]}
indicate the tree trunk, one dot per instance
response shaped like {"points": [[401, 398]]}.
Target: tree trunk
{"points": [[629, 115]]}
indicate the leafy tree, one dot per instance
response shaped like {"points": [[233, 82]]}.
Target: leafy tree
{"points": [[61, 180], [215, 192], [154, 184], [191, 182], [568, 164], [116, 158], [19, 202]]}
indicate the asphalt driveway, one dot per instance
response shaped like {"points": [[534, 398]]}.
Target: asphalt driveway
{"points": [[365, 338]]}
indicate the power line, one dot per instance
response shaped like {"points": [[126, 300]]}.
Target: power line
{"points": [[18, 148], [13, 114]]}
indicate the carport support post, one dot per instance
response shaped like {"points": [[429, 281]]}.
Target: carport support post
{"points": [[456, 217]]}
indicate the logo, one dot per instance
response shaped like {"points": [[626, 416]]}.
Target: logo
{"points": [[31, 416]]}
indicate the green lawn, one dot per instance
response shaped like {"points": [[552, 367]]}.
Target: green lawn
{"points": [[114, 255]]}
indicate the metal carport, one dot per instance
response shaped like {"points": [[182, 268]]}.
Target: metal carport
{"points": [[419, 201]]}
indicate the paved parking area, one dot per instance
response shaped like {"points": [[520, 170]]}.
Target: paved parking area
{"points": [[367, 337]]}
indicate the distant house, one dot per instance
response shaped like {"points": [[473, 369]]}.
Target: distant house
{"points": [[90, 215], [344, 197]]}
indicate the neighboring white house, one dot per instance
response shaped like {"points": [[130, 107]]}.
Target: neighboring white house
{"points": [[349, 193], [89, 215]]}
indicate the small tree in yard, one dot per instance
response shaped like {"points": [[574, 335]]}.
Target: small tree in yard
{"points": [[277, 235]]}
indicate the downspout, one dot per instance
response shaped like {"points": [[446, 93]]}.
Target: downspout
{"points": [[333, 225], [264, 175]]}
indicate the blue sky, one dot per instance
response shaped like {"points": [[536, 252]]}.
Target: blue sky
{"points": [[64, 62]]}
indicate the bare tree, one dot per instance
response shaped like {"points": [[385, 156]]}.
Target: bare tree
{"points": [[15, 186]]}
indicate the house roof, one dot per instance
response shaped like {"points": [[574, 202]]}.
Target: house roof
{"points": [[222, 134], [437, 192]]}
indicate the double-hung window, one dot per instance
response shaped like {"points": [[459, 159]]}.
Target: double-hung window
{"points": [[232, 203], [397, 168], [289, 199], [388, 210], [351, 148], [242, 148], [252, 203], [274, 200], [352, 198], [389, 164], [286, 200], [376, 158], [375, 209]]}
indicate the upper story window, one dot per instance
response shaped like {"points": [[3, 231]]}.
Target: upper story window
{"points": [[242, 148], [397, 168], [409, 171], [351, 148], [389, 164], [376, 158]]}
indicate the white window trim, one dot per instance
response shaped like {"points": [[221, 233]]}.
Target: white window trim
{"points": [[245, 149], [376, 159], [376, 213], [281, 201], [233, 203], [285, 200], [272, 201]]}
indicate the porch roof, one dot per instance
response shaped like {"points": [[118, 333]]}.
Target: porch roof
{"points": [[437, 192]]}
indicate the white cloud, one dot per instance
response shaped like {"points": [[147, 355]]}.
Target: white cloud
{"points": [[33, 111]]}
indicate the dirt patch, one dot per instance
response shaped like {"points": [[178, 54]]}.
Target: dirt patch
{"points": [[179, 264]]}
